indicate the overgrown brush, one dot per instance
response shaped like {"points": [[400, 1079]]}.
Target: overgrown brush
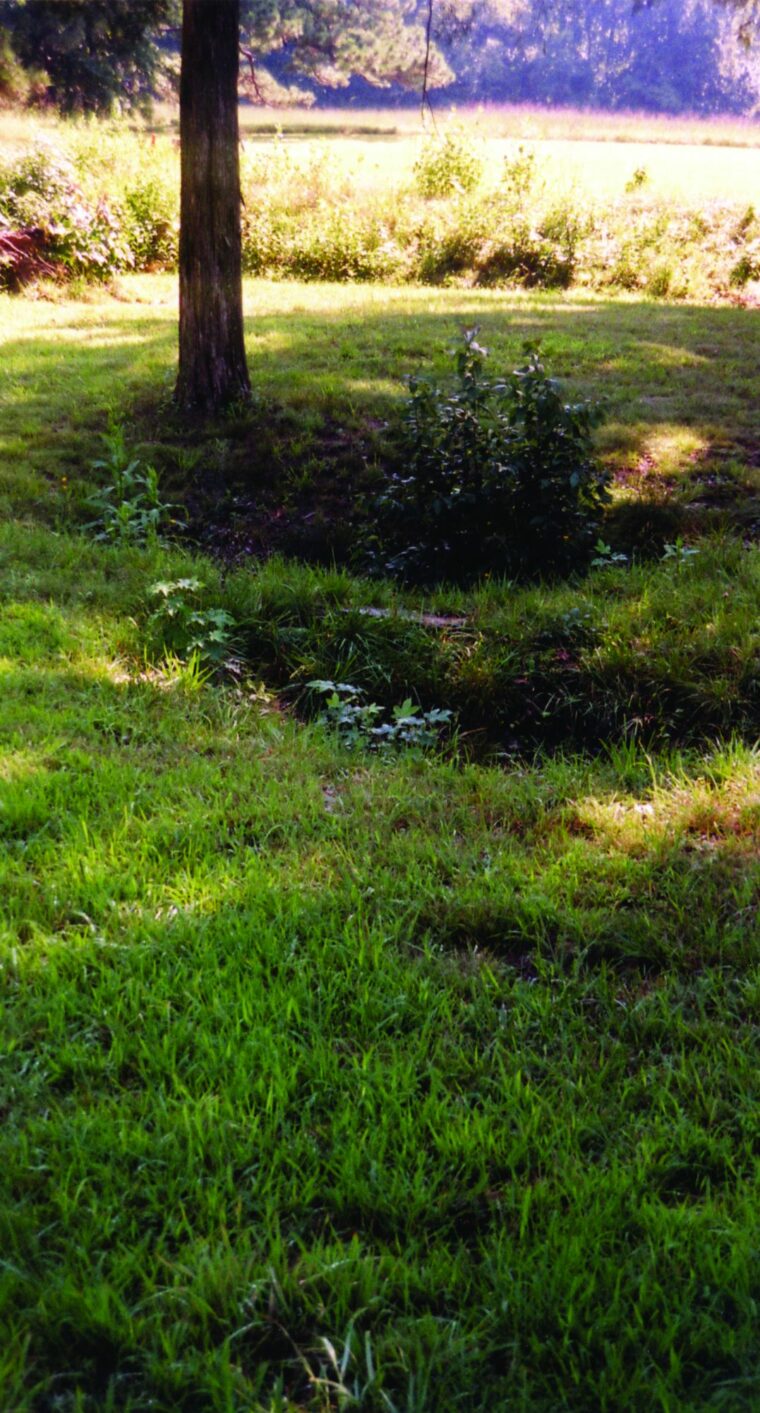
{"points": [[106, 204]]}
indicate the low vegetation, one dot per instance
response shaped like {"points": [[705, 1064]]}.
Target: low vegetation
{"points": [[107, 205]]}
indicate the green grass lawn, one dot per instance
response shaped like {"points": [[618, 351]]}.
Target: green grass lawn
{"points": [[334, 1081]]}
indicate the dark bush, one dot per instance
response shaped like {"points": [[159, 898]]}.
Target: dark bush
{"points": [[500, 477]]}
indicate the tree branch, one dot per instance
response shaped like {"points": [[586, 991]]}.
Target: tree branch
{"points": [[249, 56], [425, 95]]}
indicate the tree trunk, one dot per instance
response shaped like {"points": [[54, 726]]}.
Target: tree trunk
{"points": [[212, 366]]}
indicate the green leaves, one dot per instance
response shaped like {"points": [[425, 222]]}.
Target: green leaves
{"points": [[358, 723], [129, 510], [181, 626], [501, 475]]}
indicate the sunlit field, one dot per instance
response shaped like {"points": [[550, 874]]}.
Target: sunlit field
{"points": [[417, 1080], [595, 153]]}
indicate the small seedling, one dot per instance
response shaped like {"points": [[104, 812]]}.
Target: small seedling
{"points": [[679, 552], [358, 723], [607, 558], [129, 509]]}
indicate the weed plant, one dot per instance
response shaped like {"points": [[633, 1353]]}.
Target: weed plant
{"points": [[129, 507], [359, 722], [180, 625], [500, 476], [447, 164]]}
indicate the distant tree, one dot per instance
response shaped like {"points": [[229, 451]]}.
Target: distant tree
{"points": [[95, 53], [665, 55], [326, 42]]}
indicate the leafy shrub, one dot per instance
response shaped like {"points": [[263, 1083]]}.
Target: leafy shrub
{"points": [[490, 240], [358, 723], [639, 178], [151, 224], [446, 165], [129, 509], [40, 190], [18, 85], [519, 176], [525, 256], [747, 267], [180, 625], [500, 476], [107, 202], [449, 244]]}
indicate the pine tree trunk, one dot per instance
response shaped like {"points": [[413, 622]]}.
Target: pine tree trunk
{"points": [[212, 366]]}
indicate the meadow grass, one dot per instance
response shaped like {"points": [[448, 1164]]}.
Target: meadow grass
{"points": [[331, 1080], [521, 122], [691, 159]]}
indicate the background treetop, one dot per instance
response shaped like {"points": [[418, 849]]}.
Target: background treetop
{"points": [[660, 55]]}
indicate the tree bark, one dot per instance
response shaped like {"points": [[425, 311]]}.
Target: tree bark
{"points": [[212, 366]]}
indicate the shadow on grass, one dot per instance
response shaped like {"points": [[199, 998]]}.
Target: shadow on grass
{"points": [[343, 351], [124, 820], [328, 364]]}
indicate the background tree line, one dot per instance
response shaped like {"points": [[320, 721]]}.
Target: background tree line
{"points": [[668, 56]]}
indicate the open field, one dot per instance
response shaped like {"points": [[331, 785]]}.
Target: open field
{"points": [[338, 1081], [519, 123], [593, 169], [594, 154]]}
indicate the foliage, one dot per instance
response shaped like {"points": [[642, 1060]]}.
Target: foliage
{"points": [[150, 226], [105, 54], [129, 508], [81, 237], [665, 56], [18, 84], [359, 722], [323, 45], [447, 164], [96, 56], [181, 625], [105, 202], [500, 476]]}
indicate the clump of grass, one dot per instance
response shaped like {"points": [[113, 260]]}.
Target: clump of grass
{"points": [[657, 652]]}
